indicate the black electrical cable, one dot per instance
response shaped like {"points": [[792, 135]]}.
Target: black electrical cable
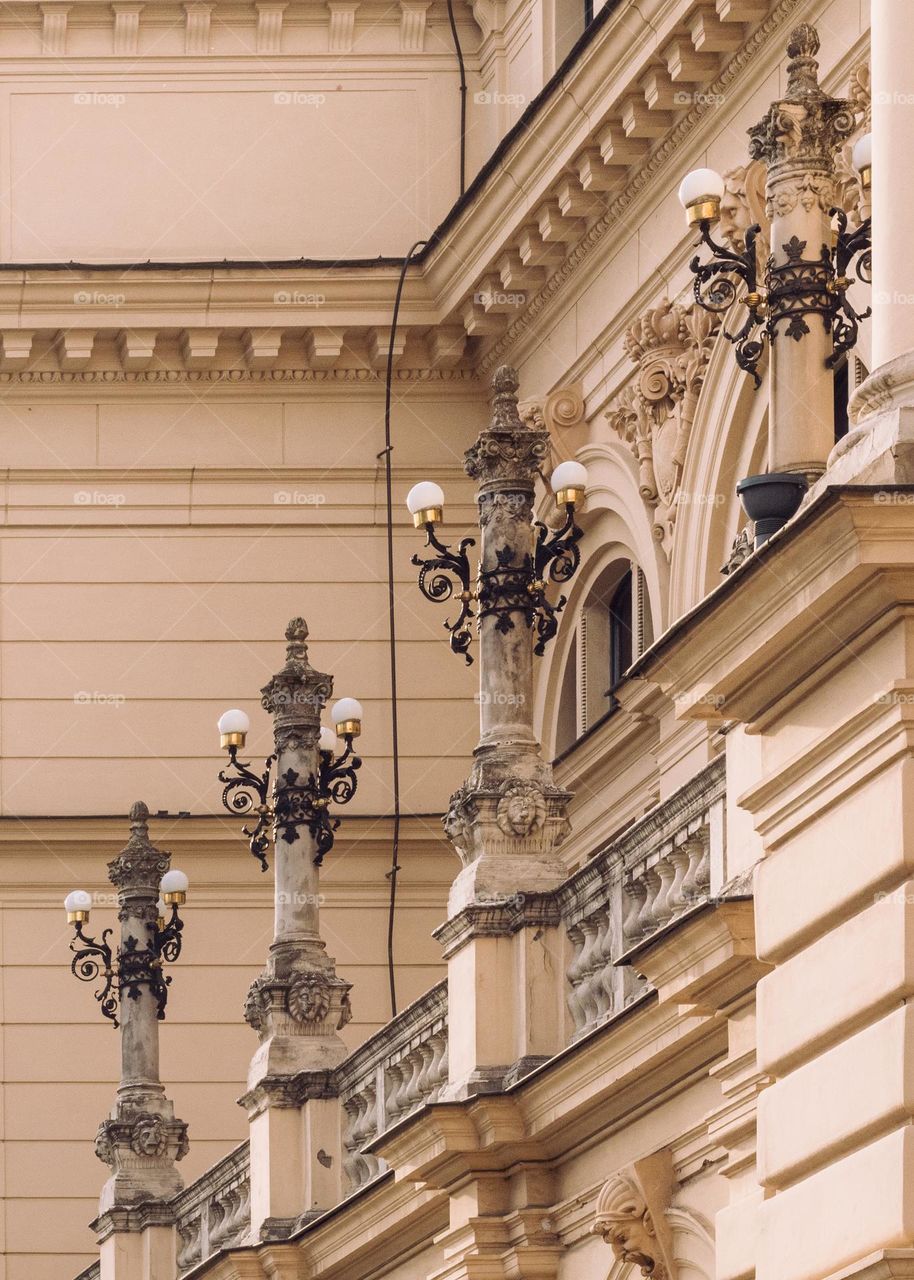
{"points": [[463, 97], [392, 629]]}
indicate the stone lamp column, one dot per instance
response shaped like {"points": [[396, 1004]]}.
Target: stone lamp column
{"points": [[798, 140], [141, 1140], [880, 447], [298, 1004], [508, 819]]}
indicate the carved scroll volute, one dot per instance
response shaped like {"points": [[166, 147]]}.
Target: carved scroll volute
{"points": [[671, 346], [631, 1215]]}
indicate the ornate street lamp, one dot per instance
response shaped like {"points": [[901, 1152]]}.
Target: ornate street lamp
{"points": [[800, 295], [298, 1004], [511, 580], [141, 1139], [147, 940], [300, 796], [797, 139]]}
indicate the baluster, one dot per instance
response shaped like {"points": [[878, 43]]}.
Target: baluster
{"points": [[426, 1053], [444, 1061], [573, 974], [695, 849], [661, 910], [703, 871], [190, 1244], [401, 1102], [368, 1128], [588, 999], [635, 895], [680, 860], [437, 1072], [393, 1080], [607, 971], [412, 1094], [651, 882], [350, 1145]]}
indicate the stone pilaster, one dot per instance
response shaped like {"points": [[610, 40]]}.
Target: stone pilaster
{"points": [[508, 819], [798, 140]]}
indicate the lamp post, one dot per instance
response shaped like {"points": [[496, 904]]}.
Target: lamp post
{"points": [[298, 1004], [141, 1140], [798, 304], [508, 817]]}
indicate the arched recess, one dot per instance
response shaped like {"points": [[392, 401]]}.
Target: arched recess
{"points": [[728, 440], [616, 526]]}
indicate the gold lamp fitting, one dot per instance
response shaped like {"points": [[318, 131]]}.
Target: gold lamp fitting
{"points": [[227, 740], [175, 899], [428, 515], [569, 497], [866, 177], [349, 728], [77, 917], [705, 209]]}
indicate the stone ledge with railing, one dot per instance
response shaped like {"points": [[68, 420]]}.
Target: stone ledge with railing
{"points": [[644, 880], [214, 1212], [398, 1069], [640, 884]]}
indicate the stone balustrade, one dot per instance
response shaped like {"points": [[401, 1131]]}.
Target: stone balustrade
{"points": [[398, 1069], [214, 1212], [648, 877]]}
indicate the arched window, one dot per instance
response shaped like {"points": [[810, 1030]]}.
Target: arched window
{"points": [[612, 629]]}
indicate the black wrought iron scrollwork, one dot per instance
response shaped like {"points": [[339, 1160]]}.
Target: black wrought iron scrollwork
{"points": [[248, 792], [856, 243], [167, 938], [557, 549], [134, 966], [92, 961], [308, 803], [715, 290], [436, 582], [794, 289]]}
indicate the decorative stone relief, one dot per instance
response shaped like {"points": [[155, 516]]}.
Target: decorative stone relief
{"points": [[521, 809], [742, 206], [630, 1215], [671, 345], [739, 552]]}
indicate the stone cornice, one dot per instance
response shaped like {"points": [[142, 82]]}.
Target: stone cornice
{"points": [[159, 1213], [522, 235], [758, 638], [497, 919]]}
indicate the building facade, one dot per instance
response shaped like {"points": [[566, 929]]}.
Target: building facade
{"points": [[651, 974]]}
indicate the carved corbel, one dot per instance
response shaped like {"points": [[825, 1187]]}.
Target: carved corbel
{"points": [[631, 1215], [670, 345]]}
